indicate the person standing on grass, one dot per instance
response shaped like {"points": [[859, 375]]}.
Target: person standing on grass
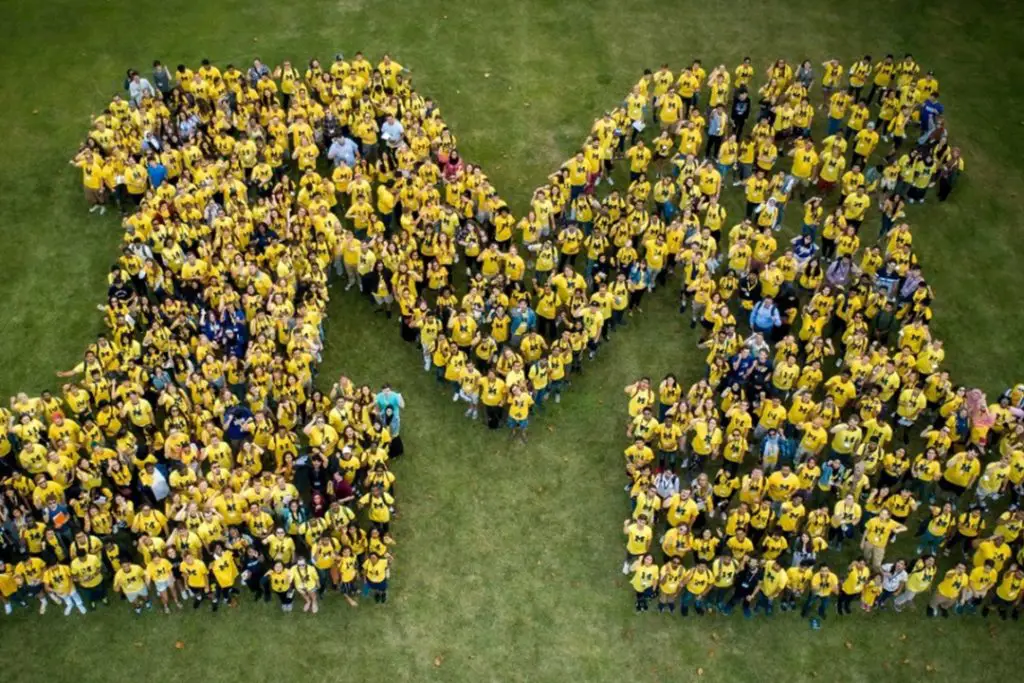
{"points": [[162, 78], [376, 573], [348, 574], [1006, 598], [130, 581], [519, 403], [852, 587], [388, 398], [824, 585], [58, 583], [493, 392], [717, 123], [638, 541], [225, 574], [748, 588], [949, 591], [307, 584], [931, 112], [280, 579], [894, 581], [740, 112], [93, 170], [197, 579], [698, 583], [949, 171], [645, 582], [253, 571], [160, 576], [877, 535], [764, 316], [139, 88]]}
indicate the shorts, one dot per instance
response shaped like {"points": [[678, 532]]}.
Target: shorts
{"points": [[162, 586], [517, 424], [94, 196], [379, 587], [134, 596], [469, 398], [347, 588]]}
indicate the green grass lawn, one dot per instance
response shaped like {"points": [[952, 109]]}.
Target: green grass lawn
{"points": [[507, 563]]}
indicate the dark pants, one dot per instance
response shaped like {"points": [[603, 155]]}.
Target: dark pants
{"points": [[714, 143], [945, 187], [812, 600], [843, 605], [494, 415]]}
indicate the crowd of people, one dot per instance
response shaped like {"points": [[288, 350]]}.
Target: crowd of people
{"points": [[189, 454], [190, 441], [825, 425]]}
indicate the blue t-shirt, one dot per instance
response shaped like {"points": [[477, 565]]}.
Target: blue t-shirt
{"points": [[930, 110], [157, 174], [234, 418]]}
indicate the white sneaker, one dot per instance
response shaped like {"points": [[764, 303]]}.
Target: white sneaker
{"points": [[94, 208], [8, 608], [348, 286], [42, 607], [67, 609], [558, 398], [625, 568], [455, 397], [610, 181], [103, 210]]}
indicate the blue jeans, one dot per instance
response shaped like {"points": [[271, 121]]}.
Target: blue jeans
{"points": [[764, 604], [821, 601], [690, 599], [930, 543], [538, 398]]}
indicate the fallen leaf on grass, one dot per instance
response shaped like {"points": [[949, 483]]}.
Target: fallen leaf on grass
{"points": [[849, 645], [700, 671], [438, 660], [179, 644], [903, 636]]}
